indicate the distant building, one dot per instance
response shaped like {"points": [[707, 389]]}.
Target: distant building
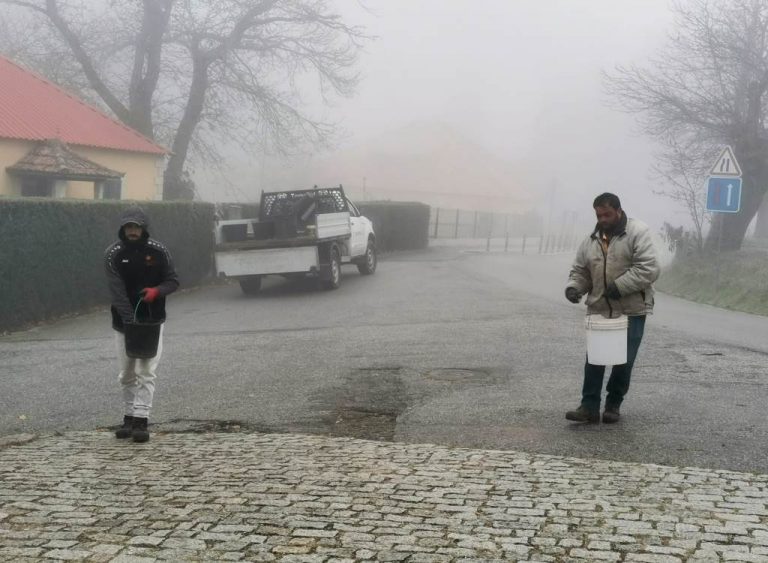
{"points": [[428, 162], [53, 144]]}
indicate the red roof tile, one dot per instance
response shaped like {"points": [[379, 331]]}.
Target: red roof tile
{"points": [[34, 109]]}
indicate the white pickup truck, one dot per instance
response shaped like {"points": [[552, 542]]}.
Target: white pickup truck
{"points": [[310, 232]]}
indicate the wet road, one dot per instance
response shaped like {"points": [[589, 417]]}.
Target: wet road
{"points": [[443, 346]]}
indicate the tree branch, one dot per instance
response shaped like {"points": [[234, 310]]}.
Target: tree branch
{"points": [[52, 11]]}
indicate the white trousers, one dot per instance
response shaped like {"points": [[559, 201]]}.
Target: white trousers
{"points": [[137, 377]]}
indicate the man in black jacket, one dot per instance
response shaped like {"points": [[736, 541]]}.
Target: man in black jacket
{"points": [[140, 275]]}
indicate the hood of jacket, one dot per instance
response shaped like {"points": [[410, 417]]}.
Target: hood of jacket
{"points": [[133, 215]]}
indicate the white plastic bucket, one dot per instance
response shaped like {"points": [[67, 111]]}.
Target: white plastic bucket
{"points": [[606, 340]]}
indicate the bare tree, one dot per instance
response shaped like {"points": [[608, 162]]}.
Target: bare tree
{"points": [[708, 89], [684, 172], [194, 73]]}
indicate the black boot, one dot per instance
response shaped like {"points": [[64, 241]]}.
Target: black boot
{"points": [[611, 414], [140, 432], [126, 429]]}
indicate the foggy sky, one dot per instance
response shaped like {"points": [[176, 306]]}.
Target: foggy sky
{"points": [[520, 77]]}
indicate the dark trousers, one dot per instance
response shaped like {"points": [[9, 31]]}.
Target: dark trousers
{"points": [[618, 382]]}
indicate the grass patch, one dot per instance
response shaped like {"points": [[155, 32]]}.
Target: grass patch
{"points": [[732, 280]]}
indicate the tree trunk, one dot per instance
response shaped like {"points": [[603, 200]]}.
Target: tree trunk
{"points": [[729, 229], [175, 184], [146, 65], [761, 229]]}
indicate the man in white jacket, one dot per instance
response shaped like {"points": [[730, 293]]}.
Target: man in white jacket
{"points": [[615, 267]]}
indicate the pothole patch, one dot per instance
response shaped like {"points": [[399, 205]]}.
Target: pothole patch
{"points": [[365, 405]]}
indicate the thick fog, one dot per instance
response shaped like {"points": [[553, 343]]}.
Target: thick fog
{"points": [[517, 82]]}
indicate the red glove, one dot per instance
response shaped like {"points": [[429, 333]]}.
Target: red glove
{"points": [[149, 294]]}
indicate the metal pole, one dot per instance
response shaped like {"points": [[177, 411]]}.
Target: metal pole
{"points": [[456, 227], [561, 236], [524, 237], [541, 242], [437, 221], [506, 242], [719, 248], [488, 243], [574, 217]]}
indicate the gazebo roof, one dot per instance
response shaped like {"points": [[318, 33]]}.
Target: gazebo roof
{"points": [[54, 159]]}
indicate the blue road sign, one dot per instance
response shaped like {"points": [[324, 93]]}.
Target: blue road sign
{"points": [[724, 195]]}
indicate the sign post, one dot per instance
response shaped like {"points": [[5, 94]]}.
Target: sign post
{"points": [[724, 192]]}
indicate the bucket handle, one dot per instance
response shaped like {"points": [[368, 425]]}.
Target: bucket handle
{"points": [[136, 310]]}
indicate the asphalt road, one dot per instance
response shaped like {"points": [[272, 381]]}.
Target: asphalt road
{"points": [[446, 346]]}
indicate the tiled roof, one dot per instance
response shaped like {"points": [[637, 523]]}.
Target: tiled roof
{"points": [[34, 109], [54, 158]]}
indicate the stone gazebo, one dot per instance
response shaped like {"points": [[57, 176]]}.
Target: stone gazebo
{"points": [[51, 167]]}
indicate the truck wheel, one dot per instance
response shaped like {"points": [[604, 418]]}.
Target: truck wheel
{"points": [[250, 285], [333, 281], [368, 265]]}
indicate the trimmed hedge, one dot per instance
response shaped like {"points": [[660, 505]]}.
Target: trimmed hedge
{"points": [[52, 252], [398, 225]]}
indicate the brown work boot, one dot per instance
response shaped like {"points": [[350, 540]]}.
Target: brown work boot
{"points": [[583, 414], [611, 414]]}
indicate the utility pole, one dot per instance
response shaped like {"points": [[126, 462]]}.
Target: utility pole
{"points": [[552, 190]]}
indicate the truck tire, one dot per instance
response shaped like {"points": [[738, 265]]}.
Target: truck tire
{"points": [[250, 285], [333, 279], [368, 264]]}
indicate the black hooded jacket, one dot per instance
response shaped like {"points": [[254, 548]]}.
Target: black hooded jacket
{"points": [[132, 266]]}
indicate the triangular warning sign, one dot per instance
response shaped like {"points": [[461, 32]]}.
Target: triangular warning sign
{"points": [[726, 164]]}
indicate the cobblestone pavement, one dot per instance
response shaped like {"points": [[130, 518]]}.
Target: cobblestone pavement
{"points": [[264, 497]]}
